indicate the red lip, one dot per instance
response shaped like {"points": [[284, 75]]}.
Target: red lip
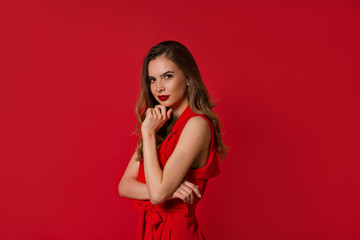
{"points": [[163, 97]]}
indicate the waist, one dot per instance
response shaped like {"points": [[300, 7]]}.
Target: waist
{"points": [[174, 205]]}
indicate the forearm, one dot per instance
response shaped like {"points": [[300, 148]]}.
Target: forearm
{"points": [[153, 172], [132, 188]]}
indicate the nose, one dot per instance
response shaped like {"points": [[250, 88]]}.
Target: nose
{"points": [[159, 87]]}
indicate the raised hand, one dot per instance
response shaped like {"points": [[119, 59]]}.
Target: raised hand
{"points": [[155, 119]]}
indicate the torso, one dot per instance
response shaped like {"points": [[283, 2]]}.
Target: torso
{"points": [[174, 219], [203, 167]]}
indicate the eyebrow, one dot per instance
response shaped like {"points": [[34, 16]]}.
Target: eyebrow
{"points": [[163, 74]]}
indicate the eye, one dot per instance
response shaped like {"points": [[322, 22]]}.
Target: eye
{"points": [[151, 80], [168, 76]]}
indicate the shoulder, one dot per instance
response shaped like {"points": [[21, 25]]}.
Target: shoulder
{"points": [[197, 127], [198, 121]]}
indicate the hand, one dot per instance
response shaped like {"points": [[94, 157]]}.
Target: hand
{"points": [[155, 119], [185, 192]]}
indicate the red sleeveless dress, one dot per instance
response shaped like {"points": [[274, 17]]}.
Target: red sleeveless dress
{"points": [[174, 219]]}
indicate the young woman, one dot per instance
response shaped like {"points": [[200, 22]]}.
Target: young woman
{"points": [[179, 145]]}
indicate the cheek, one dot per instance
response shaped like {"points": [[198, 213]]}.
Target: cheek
{"points": [[181, 88], [176, 87]]}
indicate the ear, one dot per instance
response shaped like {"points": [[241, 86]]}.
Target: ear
{"points": [[187, 82]]}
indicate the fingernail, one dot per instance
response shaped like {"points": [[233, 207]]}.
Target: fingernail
{"points": [[199, 195]]}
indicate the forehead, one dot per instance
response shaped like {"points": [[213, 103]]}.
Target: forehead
{"points": [[160, 65]]}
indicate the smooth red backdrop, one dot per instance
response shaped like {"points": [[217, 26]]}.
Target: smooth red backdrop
{"points": [[286, 77]]}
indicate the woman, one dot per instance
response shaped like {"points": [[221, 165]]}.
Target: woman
{"points": [[178, 148]]}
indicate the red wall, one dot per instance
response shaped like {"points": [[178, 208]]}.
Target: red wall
{"points": [[286, 75]]}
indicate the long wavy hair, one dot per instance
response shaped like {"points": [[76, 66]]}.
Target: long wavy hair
{"points": [[197, 95]]}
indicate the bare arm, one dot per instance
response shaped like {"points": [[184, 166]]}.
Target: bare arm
{"points": [[161, 183], [129, 187]]}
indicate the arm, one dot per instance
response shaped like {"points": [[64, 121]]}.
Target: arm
{"points": [[193, 139], [131, 188], [128, 186]]}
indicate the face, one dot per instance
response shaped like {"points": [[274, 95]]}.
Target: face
{"points": [[167, 82]]}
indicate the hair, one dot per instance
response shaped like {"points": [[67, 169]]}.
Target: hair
{"points": [[197, 95]]}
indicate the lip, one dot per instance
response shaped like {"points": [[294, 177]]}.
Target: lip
{"points": [[163, 97]]}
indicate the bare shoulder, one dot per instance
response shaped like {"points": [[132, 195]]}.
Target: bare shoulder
{"points": [[198, 122], [198, 129]]}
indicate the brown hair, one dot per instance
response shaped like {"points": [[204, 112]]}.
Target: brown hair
{"points": [[197, 94]]}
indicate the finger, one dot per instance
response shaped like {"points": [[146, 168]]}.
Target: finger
{"points": [[191, 185], [157, 113], [186, 194], [186, 188], [181, 196], [169, 113], [148, 112], [189, 192], [151, 112], [191, 198], [194, 188], [162, 109]]}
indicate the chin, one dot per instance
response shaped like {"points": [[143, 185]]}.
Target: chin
{"points": [[166, 105]]}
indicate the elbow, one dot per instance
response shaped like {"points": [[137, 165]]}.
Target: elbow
{"points": [[153, 201], [157, 199]]}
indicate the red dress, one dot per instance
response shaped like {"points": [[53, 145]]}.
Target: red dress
{"points": [[174, 219]]}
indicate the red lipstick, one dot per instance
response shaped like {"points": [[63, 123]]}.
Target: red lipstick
{"points": [[163, 97]]}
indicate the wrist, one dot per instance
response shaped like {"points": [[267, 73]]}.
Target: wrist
{"points": [[147, 135]]}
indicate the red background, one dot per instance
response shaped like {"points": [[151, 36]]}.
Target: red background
{"points": [[286, 77]]}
